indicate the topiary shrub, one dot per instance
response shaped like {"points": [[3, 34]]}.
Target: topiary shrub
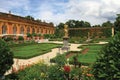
{"points": [[107, 66], [6, 57]]}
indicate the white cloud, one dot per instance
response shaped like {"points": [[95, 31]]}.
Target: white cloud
{"points": [[14, 6], [93, 11]]}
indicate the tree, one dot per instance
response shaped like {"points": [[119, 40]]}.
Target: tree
{"points": [[71, 23], [117, 23], [87, 24], [60, 26], [107, 24], [38, 20], [51, 23], [29, 17], [96, 25], [6, 57], [107, 32], [59, 30], [107, 65], [77, 24]]}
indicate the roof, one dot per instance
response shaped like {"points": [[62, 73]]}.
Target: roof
{"points": [[11, 17]]}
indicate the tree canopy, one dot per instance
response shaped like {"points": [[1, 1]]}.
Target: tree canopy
{"points": [[107, 24], [77, 24], [29, 17], [117, 23]]}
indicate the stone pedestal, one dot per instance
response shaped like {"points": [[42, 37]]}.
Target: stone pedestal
{"points": [[65, 44]]}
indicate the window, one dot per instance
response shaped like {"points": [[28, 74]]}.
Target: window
{"points": [[41, 30], [4, 29], [46, 31], [22, 30], [38, 30], [33, 30], [28, 30], [14, 30]]}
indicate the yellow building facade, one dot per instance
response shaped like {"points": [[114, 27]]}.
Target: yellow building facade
{"points": [[19, 26]]}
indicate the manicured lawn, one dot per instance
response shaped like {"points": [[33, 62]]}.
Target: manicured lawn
{"points": [[90, 55], [28, 51]]}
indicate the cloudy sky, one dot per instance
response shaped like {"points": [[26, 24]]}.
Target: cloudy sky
{"points": [[56, 11]]}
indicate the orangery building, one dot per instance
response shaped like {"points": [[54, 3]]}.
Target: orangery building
{"points": [[19, 26]]}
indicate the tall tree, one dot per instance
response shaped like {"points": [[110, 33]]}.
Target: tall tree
{"points": [[107, 24], [77, 24], [107, 32], [96, 25], [87, 24], [71, 23], [59, 30], [117, 23], [60, 26]]}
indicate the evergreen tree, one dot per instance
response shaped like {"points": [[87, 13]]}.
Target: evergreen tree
{"points": [[6, 58], [107, 66]]}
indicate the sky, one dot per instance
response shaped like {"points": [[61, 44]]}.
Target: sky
{"points": [[56, 11]]}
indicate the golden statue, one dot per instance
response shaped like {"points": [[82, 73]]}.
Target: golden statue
{"points": [[66, 30]]}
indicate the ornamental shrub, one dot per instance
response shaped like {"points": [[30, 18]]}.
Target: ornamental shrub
{"points": [[107, 65], [6, 57], [20, 38]]}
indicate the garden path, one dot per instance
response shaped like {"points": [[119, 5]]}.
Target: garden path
{"points": [[43, 58]]}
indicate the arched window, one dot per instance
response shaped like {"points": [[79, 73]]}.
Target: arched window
{"points": [[28, 30], [49, 31], [4, 29], [38, 30], [14, 30], [46, 31], [41, 30], [33, 30], [22, 30]]}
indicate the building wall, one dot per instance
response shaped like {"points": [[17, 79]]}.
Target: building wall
{"points": [[19, 26]]}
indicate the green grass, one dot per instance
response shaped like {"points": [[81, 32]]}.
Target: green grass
{"points": [[32, 50], [90, 56]]}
